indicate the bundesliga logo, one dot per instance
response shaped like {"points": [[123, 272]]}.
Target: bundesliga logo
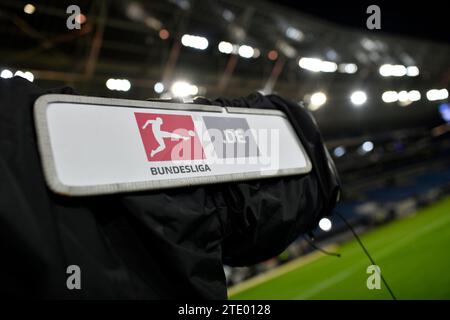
{"points": [[169, 137]]}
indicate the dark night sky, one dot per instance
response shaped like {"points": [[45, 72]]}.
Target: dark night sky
{"points": [[423, 19]]}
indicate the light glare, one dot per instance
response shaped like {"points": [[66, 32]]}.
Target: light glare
{"points": [[29, 8], [118, 84], [358, 98], [317, 100], [196, 42], [246, 51], [183, 89], [225, 47], [325, 224], [158, 87], [6, 74], [436, 94]]}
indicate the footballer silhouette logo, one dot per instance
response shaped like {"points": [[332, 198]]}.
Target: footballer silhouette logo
{"points": [[169, 137]]}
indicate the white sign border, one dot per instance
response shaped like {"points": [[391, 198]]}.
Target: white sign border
{"points": [[48, 161]]}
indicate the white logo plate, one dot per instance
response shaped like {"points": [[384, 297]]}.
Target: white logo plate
{"points": [[92, 146]]}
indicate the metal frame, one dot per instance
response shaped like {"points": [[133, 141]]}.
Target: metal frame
{"points": [[48, 161]]}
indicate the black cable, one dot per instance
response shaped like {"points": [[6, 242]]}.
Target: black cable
{"points": [[335, 254], [365, 251]]}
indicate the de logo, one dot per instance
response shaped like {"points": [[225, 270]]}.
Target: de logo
{"points": [[231, 137]]}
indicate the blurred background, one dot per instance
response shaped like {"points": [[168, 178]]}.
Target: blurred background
{"points": [[380, 98]]}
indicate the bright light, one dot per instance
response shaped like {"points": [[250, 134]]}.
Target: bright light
{"points": [[183, 89], [388, 70], [403, 96], [317, 100], [389, 96], [118, 84], [225, 47], [328, 66], [158, 87], [316, 65], [398, 70], [325, 224], [26, 75], [29, 8], [412, 71], [414, 95], [311, 64], [385, 70], [436, 94], [246, 51], [111, 84], [358, 98], [196, 42], [367, 146], [6, 74], [348, 68], [339, 151], [294, 34]]}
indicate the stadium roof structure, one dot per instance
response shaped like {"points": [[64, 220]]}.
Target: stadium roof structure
{"points": [[262, 47]]}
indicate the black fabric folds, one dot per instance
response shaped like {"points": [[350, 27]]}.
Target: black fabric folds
{"points": [[150, 245]]}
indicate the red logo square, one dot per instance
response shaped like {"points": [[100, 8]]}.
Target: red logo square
{"points": [[169, 137]]}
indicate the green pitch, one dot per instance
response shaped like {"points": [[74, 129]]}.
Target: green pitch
{"points": [[413, 254]]}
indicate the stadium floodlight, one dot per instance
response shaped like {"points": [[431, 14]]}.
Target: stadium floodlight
{"points": [[183, 89], [385, 70], [437, 94], [389, 70], [325, 224], [225, 47], [328, 66], [158, 87], [29, 8], [6, 74], [389, 96], [317, 99], [246, 51], [367, 146], [339, 151], [398, 70], [26, 75], [118, 84], [311, 64], [403, 96], [196, 42], [110, 84], [412, 71], [317, 65], [349, 68], [358, 98], [414, 95]]}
